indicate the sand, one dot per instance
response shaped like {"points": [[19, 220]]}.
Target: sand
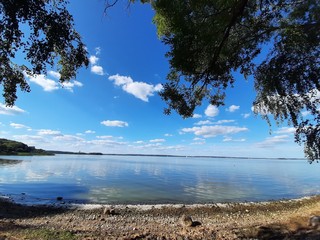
{"points": [[287, 219]]}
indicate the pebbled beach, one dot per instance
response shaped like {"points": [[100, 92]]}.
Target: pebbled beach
{"points": [[287, 219]]}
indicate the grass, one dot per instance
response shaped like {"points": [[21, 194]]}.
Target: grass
{"points": [[40, 233]]}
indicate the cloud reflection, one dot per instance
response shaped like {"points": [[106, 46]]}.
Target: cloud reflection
{"points": [[125, 179]]}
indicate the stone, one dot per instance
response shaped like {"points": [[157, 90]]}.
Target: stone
{"points": [[186, 221], [314, 221], [109, 211]]}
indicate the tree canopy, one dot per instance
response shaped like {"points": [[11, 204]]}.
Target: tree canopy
{"points": [[277, 42], [210, 40], [43, 31]]}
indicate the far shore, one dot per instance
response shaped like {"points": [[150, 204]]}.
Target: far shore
{"points": [[53, 153], [284, 219]]}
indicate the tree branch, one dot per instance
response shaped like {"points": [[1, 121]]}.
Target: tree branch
{"points": [[109, 5], [237, 11]]}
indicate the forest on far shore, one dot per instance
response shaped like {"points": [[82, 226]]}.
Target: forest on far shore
{"points": [[10, 147]]}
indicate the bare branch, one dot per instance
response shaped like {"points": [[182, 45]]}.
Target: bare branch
{"points": [[109, 5]]}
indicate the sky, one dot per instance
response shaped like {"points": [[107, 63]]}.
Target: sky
{"points": [[113, 106]]}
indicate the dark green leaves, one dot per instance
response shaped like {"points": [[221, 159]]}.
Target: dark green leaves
{"points": [[211, 39], [44, 32]]}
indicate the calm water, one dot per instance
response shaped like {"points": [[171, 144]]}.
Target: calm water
{"points": [[123, 180]]}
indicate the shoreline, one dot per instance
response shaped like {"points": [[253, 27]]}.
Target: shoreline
{"points": [[147, 206], [282, 219], [72, 204]]}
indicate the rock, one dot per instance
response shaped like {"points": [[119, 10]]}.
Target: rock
{"points": [[109, 211], [59, 198], [186, 221], [314, 221]]}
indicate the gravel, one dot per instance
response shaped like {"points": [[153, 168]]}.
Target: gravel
{"points": [[266, 220]]}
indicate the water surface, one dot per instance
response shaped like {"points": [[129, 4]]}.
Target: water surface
{"points": [[144, 179]]}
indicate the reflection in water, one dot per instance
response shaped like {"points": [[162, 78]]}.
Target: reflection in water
{"points": [[9, 161], [124, 179], [221, 191]]}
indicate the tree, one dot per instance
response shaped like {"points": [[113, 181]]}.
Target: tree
{"points": [[43, 31], [210, 40]]}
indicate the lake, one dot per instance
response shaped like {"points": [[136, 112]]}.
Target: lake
{"points": [[151, 180]]}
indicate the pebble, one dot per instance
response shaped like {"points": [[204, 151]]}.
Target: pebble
{"points": [[314, 221], [111, 222], [109, 211], [186, 221]]}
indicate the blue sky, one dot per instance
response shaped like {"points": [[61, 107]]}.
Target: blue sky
{"points": [[113, 105]]}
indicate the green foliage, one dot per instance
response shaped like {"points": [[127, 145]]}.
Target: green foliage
{"points": [[211, 39], [46, 234], [9, 147], [43, 31]]}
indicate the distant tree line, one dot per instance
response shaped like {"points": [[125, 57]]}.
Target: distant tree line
{"points": [[9, 147]]}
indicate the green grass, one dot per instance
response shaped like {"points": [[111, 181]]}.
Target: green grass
{"points": [[46, 234]]}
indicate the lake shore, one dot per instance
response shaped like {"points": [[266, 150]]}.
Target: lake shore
{"points": [[286, 219]]}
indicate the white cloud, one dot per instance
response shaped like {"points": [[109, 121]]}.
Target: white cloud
{"points": [[98, 50], [286, 130], [140, 90], [157, 140], [10, 110], [90, 132], [106, 142], [49, 132], [198, 143], [213, 131], [168, 135], [97, 70], [224, 121], [246, 115], [206, 122], [30, 139], [197, 115], [71, 84], [47, 84], [229, 139], [273, 141], [150, 145], [211, 111], [93, 60], [233, 108], [50, 85], [109, 137], [198, 139], [54, 74], [114, 123], [68, 138], [105, 137], [18, 126], [120, 80]]}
